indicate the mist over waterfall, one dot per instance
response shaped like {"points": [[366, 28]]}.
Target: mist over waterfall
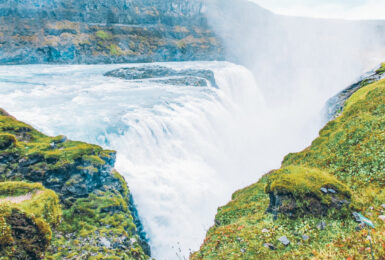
{"points": [[184, 150]]}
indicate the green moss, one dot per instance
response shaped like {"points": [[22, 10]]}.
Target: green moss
{"points": [[115, 50], [348, 156], [27, 142], [381, 70], [103, 35], [15, 188], [7, 141], [301, 181], [105, 214], [32, 205]]}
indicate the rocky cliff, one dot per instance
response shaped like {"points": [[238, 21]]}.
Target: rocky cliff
{"points": [[309, 208], [102, 31], [95, 218]]}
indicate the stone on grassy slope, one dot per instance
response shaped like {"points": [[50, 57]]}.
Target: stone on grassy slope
{"points": [[297, 191]]}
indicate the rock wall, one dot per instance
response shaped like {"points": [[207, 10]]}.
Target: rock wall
{"points": [[102, 31]]}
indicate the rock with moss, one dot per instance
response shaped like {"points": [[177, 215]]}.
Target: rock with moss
{"points": [[335, 105], [95, 200], [28, 213], [312, 195], [295, 191]]}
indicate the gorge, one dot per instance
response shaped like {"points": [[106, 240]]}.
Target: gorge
{"points": [[196, 128]]}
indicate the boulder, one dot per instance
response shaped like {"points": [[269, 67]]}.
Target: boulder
{"points": [[284, 240], [166, 75]]}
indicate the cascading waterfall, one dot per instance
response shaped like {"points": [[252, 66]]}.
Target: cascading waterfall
{"points": [[183, 150]]}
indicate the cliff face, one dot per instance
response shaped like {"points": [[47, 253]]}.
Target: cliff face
{"points": [[96, 211], [308, 208], [102, 31]]}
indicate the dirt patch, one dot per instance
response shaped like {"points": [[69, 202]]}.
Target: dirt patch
{"points": [[21, 198]]}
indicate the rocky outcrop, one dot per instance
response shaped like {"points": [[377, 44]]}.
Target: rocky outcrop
{"points": [[95, 199], [335, 105], [100, 31], [298, 191], [165, 75]]}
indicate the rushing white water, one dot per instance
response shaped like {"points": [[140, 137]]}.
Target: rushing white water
{"points": [[183, 150]]}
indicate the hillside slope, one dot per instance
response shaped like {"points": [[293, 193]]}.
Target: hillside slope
{"points": [[305, 208]]}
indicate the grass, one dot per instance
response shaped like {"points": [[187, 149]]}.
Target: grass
{"points": [[349, 156]]}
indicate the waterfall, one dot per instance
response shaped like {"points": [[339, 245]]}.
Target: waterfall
{"points": [[183, 150]]}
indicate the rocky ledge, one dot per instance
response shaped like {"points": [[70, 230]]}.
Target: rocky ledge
{"points": [[335, 105], [96, 211], [165, 75]]}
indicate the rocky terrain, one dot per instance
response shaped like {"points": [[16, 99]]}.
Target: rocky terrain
{"points": [[335, 105], [312, 207], [100, 31], [74, 204], [164, 75]]}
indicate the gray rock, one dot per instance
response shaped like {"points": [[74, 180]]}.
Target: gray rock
{"points": [[265, 230], [305, 237], [383, 206], [321, 225], [284, 240], [165, 75], [104, 242], [360, 227], [243, 250], [324, 190], [132, 241], [335, 105], [332, 191], [269, 246], [382, 217], [356, 217]]}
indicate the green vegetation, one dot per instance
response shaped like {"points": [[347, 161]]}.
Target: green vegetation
{"points": [[95, 223], [28, 211], [115, 50], [19, 138], [103, 35], [102, 215], [348, 157], [300, 181], [381, 70]]}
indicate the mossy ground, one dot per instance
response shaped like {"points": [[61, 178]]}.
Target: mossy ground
{"points": [[40, 209], [349, 152], [22, 139]]}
